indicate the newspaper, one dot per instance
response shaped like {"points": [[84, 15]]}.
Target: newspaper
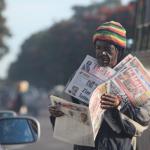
{"points": [[132, 80], [87, 78], [134, 85], [136, 81], [130, 61], [80, 124], [129, 80], [75, 126], [139, 68], [96, 112]]}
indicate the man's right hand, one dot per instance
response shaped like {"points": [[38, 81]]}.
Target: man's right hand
{"points": [[55, 112]]}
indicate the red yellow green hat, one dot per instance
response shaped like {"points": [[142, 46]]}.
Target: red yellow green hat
{"points": [[111, 31]]}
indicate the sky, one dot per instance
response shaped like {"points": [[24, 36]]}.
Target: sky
{"points": [[25, 17]]}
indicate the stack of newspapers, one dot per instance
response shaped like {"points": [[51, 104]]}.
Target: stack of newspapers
{"points": [[80, 124]]}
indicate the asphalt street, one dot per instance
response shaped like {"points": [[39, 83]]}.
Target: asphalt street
{"points": [[47, 142]]}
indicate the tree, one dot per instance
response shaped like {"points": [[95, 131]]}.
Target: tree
{"points": [[4, 31], [51, 56]]}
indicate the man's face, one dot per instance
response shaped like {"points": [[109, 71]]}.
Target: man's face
{"points": [[106, 54]]}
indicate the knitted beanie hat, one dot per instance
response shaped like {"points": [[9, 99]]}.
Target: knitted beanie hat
{"points": [[112, 32]]}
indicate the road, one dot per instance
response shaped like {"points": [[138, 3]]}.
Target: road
{"points": [[47, 142]]}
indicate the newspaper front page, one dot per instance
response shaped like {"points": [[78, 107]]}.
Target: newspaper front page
{"points": [[137, 87], [134, 85], [133, 62], [87, 78]]}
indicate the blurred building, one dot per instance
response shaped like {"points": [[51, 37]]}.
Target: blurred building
{"points": [[142, 23], [142, 32], [142, 49]]}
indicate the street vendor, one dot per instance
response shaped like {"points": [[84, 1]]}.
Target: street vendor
{"points": [[115, 133]]}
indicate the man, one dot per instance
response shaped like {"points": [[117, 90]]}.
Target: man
{"points": [[115, 133]]}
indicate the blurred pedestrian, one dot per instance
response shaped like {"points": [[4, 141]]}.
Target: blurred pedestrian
{"points": [[19, 103]]}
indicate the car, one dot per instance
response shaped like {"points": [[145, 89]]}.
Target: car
{"points": [[18, 131], [7, 113]]}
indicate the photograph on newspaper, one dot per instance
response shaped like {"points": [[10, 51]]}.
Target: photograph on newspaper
{"points": [[87, 78]]}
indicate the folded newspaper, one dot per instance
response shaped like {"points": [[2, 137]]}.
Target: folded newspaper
{"points": [[80, 124], [75, 126]]}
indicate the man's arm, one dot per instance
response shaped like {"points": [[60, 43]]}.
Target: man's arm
{"points": [[114, 120]]}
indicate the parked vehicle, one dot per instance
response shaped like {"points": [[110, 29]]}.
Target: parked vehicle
{"points": [[18, 131], [7, 113]]}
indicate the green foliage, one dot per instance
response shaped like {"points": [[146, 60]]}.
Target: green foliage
{"points": [[3, 31], [51, 56]]}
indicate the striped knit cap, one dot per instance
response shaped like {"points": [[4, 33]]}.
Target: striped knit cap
{"points": [[111, 31]]}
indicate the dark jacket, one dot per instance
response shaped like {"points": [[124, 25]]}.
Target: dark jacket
{"points": [[116, 133]]}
